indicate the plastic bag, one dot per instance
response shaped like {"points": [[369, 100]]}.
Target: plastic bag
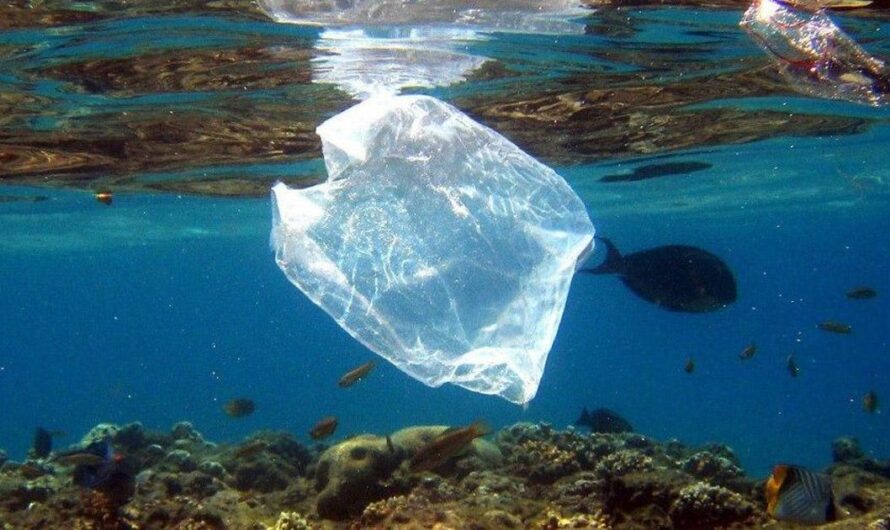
{"points": [[814, 55], [436, 243]]}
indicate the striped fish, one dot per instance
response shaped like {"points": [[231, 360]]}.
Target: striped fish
{"points": [[796, 494]]}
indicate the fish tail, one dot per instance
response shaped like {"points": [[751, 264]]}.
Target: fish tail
{"points": [[584, 419], [614, 262]]}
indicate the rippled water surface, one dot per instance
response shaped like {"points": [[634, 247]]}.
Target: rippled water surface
{"points": [[668, 122]]}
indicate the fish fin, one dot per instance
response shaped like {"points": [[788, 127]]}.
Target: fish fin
{"points": [[584, 418], [614, 262]]}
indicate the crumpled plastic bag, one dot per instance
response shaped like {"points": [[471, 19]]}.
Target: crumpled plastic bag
{"points": [[436, 243], [814, 55]]}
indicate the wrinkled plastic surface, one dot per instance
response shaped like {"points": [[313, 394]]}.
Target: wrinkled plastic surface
{"points": [[436, 243], [814, 55]]}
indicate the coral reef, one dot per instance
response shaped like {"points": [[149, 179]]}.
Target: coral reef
{"points": [[531, 476]]}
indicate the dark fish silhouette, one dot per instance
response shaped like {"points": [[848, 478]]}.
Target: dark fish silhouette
{"points": [[870, 401], [23, 198], [356, 374], [798, 495], [675, 277], [604, 420], [748, 352], [239, 408], [657, 170], [43, 442], [835, 327], [793, 367], [689, 367], [861, 293]]}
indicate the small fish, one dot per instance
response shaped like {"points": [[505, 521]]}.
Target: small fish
{"points": [[748, 352], [604, 421], [446, 445], [23, 198], [99, 466], [43, 443], [30, 471], [239, 407], [870, 402], [251, 448], [797, 495], [689, 367], [353, 376], [105, 197], [79, 458], [324, 428], [674, 277], [657, 170], [793, 368], [835, 327], [861, 293]]}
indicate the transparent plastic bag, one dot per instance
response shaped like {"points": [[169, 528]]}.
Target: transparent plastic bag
{"points": [[436, 243], [814, 55]]}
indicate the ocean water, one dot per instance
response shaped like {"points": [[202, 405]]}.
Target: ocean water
{"points": [[165, 305]]}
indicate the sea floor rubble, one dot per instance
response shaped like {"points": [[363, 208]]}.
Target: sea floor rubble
{"points": [[524, 476]]}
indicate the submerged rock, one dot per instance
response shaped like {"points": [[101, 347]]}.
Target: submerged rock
{"points": [[350, 475], [534, 476], [846, 450]]}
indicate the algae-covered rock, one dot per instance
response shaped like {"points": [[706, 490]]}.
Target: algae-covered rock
{"points": [[266, 462], [348, 475], [179, 460], [846, 450], [290, 521], [184, 430], [99, 433], [705, 506]]}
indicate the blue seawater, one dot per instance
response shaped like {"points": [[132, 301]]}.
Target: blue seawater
{"points": [[163, 306]]}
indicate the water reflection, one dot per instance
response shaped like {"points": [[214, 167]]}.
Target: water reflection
{"points": [[227, 104]]}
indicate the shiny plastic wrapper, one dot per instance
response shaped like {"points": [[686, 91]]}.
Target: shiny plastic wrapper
{"points": [[436, 243], [814, 55]]}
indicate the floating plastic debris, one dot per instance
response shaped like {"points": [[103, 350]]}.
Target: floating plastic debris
{"points": [[814, 55], [436, 243]]}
